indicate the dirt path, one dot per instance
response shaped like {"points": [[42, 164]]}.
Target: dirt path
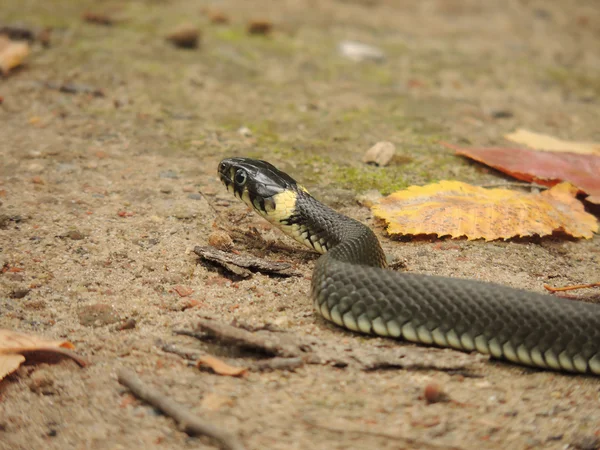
{"points": [[101, 206]]}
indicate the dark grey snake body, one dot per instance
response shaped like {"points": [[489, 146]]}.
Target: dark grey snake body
{"points": [[352, 288]]}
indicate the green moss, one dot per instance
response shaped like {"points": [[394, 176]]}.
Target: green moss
{"points": [[385, 180]]}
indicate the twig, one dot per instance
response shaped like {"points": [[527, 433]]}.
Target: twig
{"points": [[290, 364], [188, 422], [189, 354], [269, 343], [571, 288], [348, 428], [514, 184], [239, 263]]}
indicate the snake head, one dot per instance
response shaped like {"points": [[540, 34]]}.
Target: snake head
{"points": [[255, 182]]}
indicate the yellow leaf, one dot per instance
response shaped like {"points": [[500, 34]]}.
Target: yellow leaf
{"points": [[12, 54], [13, 344], [452, 208], [551, 144]]}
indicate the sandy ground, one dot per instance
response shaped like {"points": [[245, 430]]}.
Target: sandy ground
{"points": [[103, 198]]}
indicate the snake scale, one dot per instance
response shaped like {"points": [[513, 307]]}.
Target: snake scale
{"points": [[352, 287]]}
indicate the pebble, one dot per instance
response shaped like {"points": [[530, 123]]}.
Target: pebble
{"points": [[357, 51], [220, 240], [185, 36], [74, 235], [184, 214], [19, 293], [380, 154], [585, 442], [195, 197], [245, 131], [169, 174], [41, 382], [260, 27], [166, 190], [97, 315], [434, 393]]}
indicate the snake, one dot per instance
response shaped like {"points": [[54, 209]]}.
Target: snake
{"points": [[352, 286]]}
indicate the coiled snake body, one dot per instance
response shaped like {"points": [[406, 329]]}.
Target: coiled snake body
{"points": [[352, 287]]}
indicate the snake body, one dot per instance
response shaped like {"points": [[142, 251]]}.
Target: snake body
{"points": [[352, 287]]}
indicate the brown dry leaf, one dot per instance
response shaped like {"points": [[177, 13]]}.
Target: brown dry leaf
{"points": [[549, 143], [547, 168], [458, 209], [13, 344], [12, 54], [220, 367]]}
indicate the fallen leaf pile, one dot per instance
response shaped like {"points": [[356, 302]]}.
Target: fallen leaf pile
{"points": [[14, 344], [456, 209]]}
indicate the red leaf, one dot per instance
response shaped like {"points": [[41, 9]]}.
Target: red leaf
{"points": [[546, 168]]}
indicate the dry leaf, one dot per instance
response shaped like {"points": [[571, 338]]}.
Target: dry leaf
{"points": [[13, 344], [548, 143], [547, 168], [459, 209], [220, 367], [12, 54]]}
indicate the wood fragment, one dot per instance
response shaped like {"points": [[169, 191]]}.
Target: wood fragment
{"points": [[263, 365], [571, 288], [243, 265], [189, 423], [290, 364], [190, 354], [276, 344]]}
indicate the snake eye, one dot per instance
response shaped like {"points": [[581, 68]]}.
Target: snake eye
{"points": [[240, 177]]}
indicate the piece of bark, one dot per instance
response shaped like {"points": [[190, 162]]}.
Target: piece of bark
{"points": [[239, 264], [191, 424], [276, 344]]}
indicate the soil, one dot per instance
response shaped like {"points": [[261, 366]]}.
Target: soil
{"points": [[103, 197]]}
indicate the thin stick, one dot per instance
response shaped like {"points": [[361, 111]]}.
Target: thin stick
{"points": [[571, 288], [188, 422]]}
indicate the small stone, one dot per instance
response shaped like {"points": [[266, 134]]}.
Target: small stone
{"points": [[434, 393], [357, 51], [41, 382], [74, 235], [4, 220], [36, 168], [502, 114], [185, 36], [97, 315], [380, 154], [128, 324], [19, 293], [220, 240], [184, 214], [245, 131], [38, 180], [166, 190], [169, 174], [195, 197], [260, 27], [585, 442]]}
